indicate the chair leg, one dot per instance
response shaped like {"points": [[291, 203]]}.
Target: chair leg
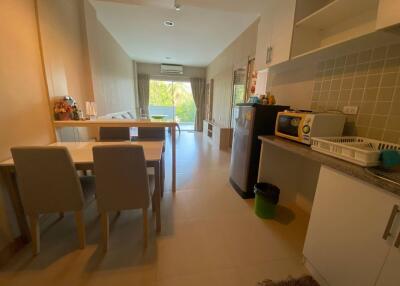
{"points": [[105, 230], [80, 226], [153, 204], [35, 234], [145, 227]]}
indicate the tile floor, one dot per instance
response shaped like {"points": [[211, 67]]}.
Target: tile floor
{"points": [[210, 236]]}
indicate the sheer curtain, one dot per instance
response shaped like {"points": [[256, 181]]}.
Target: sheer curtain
{"points": [[198, 90], [144, 92]]}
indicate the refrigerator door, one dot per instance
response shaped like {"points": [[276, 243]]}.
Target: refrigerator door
{"points": [[241, 146]]}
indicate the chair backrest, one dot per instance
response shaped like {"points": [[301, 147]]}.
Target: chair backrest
{"points": [[47, 180], [114, 134], [121, 177], [152, 133]]}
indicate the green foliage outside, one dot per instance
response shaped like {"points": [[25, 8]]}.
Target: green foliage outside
{"points": [[168, 93]]}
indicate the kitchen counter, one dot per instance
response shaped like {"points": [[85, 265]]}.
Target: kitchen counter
{"points": [[364, 174]]}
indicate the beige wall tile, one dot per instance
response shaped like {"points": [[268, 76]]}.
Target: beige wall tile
{"points": [[373, 80], [344, 94], [365, 56], [379, 53], [391, 136], [351, 59], [359, 82], [394, 51], [336, 83], [363, 120], [347, 83], [357, 94], [393, 123], [375, 133], [378, 121], [376, 67], [395, 109], [371, 94], [389, 79], [361, 131], [392, 65], [386, 93], [367, 107], [382, 107]]}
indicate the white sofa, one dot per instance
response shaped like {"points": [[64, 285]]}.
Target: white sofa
{"points": [[119, 115]]}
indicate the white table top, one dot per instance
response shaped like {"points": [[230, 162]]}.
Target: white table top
{"points": [[81, 152], [116, 123]]}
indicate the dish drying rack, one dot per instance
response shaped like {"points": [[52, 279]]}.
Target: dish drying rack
{"points": [[358, 150]]}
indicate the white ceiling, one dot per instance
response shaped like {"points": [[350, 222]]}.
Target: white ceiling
{"points": [[203, 28]]}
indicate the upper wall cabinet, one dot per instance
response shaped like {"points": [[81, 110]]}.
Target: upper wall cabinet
{"points": [[388, 13], [336, 22], [275, 33]]}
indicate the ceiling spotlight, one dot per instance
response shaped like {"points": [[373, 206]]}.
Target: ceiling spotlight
{"points": [[169, 23]]}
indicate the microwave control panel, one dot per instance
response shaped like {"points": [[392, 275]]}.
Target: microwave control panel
{"points": [[306, 128]]}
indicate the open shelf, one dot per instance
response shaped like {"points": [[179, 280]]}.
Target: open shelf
{"points": [[335, 12], [337, 22]]}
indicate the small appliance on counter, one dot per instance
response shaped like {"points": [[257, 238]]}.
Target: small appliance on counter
{"points": [[251, 120], [302, 125]]}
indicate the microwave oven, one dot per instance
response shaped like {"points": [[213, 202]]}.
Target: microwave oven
{"points": [[302, 126]]}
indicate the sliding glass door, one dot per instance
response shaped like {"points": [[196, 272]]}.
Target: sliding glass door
{"points": [[173, 100]]}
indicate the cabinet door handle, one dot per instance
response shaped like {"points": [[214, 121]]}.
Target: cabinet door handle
{"points": [[388, 228], [397, 243]]}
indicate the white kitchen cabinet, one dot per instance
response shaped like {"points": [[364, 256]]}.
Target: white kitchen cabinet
{"points": [[390, 275], [388, 13], [344, 240], [275, 33]]}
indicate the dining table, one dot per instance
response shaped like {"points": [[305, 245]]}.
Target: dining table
{"points": [[142, 123], [82, 157]]}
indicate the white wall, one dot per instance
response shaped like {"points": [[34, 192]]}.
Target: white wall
{"points": [[154, 71], [112, 70], [221, 69], [23, 93], [63, 35]]}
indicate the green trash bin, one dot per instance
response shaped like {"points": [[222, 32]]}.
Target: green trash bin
{"points": [[267, 197]]}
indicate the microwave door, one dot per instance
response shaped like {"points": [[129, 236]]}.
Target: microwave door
{"points": [[289, 125], [241, 146]]}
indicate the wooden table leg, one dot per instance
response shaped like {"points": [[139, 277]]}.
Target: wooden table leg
{"points": [[162, 176], [158, 195], [9, 177], [173, 135]]}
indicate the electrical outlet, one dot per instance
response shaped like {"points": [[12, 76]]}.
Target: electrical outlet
{"points": [[350, 109]]}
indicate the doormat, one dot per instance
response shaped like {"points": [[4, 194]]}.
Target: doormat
{"points": [[302, 281]]}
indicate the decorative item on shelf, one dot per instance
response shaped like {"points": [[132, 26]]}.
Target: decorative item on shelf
{"points": [[254, 99], [267, 99], [63, 110], [91, 112]]}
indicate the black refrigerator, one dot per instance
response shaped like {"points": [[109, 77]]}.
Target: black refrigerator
{"points": [[250, 121]]}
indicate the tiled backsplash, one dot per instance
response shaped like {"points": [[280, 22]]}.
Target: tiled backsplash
{"points": [[370, 80]]}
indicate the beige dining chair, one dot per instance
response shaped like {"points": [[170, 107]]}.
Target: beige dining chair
{"points": [[153, 134], [122, 183], [114, 134], [48, 183]]}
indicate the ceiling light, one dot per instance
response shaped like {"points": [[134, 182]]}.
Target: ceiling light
{"points": [[177, 6], [167, 58], [169, 23]]}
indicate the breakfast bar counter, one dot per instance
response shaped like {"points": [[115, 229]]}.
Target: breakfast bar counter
{"points": [[389, 181]]}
